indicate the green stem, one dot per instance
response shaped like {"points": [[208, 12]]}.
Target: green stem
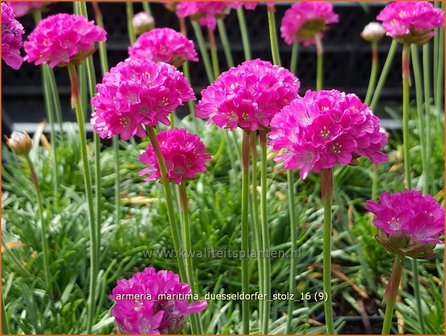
{"points": [[5, 322], [255, 217], [265, 231], [293, 236], [294, 57], [375, 179], [102, 45], [427, 112], [327, 195], [419, 99], [391, 292], [245, 229], [146, 7], [383, 75], [214, 55], [131, 30], [75, 101], [373, 73], [203, 50], [188, 260], [440, 73], [190, 103], [273, 35], [406, 80], [417, 294], [244, 33], [320, 62], [225, 42], [44, 230]]}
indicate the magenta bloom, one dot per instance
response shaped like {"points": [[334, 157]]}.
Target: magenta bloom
{"points": [[164, 45], [203, 12], [24, 7], [304, 20], [408, 222], [12, 32], [184, 153], [411, 21], [325, 128], [136, 93], [63, 38], [152, 302], [248, 5], [248, 96]]}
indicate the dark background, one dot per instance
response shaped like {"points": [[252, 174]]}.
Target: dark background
{"points": [[347, 59]]}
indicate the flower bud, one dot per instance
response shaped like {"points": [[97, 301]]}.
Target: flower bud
{"points": [[143, 22], [373, 32], [20, 143]]}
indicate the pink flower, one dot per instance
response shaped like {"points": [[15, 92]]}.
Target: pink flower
{"points": [[325, 128], [152, 302], [24, 7], [12, 32], [408, 222], [411, 21], [304, 20], [249, 5], [184, 154], [164, 45], [63, 38], [248, 96], [203, 12], [137, 92]]}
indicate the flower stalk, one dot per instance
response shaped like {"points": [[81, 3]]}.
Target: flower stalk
{"points": [[406, 83], [214, 55], [273, 35], [391, 292], [294, 57], [244, 33], [203, 51], [130, 28], [225, 42], [320, 62]]}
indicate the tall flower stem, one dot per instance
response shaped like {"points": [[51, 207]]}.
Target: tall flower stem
{"points": [[273, 35], [294, 56], [255, 217], [391, 292], [214, 55], [293, 236], [225, 42], [245, 229], [131, 30], [373, 72], [244, 33], [187, 246], [427, 112], [320, 62], [383, 75], [146, 7], [76, 103], [44, 230], [265, 231], [406, 83], [327, 195], [203, 51], [440, 70]]}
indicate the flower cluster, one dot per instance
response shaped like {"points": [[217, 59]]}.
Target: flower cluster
{"points": [[304, 20], [136, 93], [248, 96], [408, 222], [326, 128], [152, 302], [24, 7], [164, 45], [206, 13], [61, 39], [142, 22], [184, 154], [12, 32], [411, 21]]}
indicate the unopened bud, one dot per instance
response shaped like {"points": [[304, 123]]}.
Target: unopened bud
{"points": [[143, 22], [373, 32], [20, 143]]}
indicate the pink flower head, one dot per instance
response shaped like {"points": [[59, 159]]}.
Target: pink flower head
{"points": [[61, 39], [248, 96], [24, 7], [137, 92], [184, 154], [411, 21], [304, 20], [325, 128], [164, 45], [152, 302], [248, 5], [408, 222], [203, 12], [12, 32]]}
